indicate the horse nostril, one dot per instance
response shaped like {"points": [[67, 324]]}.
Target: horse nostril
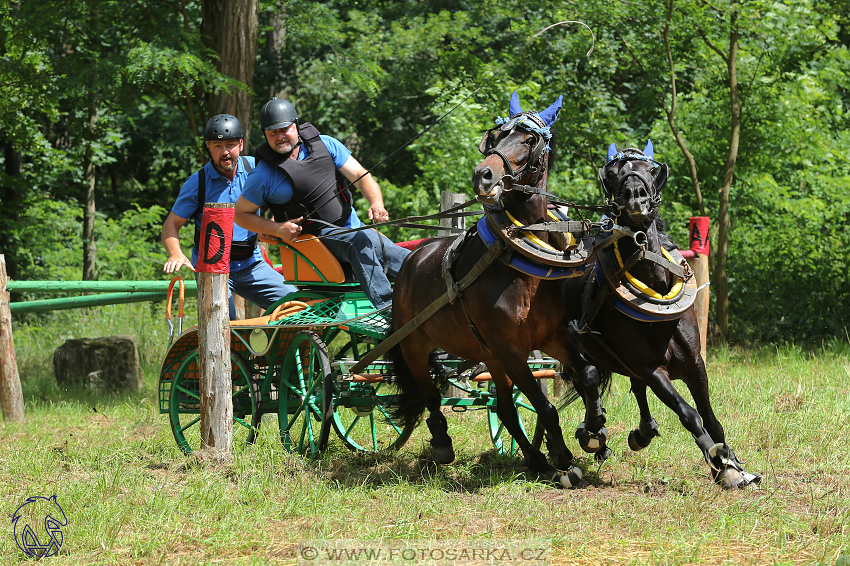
{"points": [[482, 177]]}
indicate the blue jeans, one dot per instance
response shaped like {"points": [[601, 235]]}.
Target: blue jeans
{"points": [[258, 283], [368, 252]]}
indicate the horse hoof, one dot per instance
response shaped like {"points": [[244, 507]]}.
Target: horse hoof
{"points": [[637, 441], [603, 454], [730, 478], [591, 442], [572, 478], [442, 454]]}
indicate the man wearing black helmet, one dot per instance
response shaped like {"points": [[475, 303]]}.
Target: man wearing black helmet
{"points": [[301, 175], [222, 180]]}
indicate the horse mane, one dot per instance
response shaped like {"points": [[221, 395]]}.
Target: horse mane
{"points": [[663, 237]]}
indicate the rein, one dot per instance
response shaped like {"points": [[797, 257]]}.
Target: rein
{"points": [[413, 221]]}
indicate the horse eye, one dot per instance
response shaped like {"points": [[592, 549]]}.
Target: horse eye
{"points": [[653, 171]]}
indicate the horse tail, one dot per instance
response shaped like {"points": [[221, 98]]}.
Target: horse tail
{"points": [[409, 405], [570, 376]]}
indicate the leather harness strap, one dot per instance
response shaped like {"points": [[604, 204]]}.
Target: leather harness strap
{"points": [[492, 253], [452, 288]]}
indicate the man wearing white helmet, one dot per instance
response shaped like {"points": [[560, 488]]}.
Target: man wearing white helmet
{"points": [[222, 180], [301, 175]]}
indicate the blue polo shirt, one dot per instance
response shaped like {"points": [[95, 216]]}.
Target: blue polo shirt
{"points": [[217, 188], [268, 183]]}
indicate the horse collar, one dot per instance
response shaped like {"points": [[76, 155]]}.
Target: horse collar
{"points": [[636, 300], [528, 254]]}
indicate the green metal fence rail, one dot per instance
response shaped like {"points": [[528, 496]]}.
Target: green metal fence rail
{"points": [[109, 293]]}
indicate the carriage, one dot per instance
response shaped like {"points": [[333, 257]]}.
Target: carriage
{"points": [[607, 297], [295, 361]]}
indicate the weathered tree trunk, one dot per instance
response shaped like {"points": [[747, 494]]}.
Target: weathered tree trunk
{"points": [[214, 348], [724, 221], [11, 395], [89, 247], [11, 205], [275, 40], [229, 27], [671, 115], [214, 362]]}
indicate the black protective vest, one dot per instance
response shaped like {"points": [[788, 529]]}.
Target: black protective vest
{"points": [[318, 190]]}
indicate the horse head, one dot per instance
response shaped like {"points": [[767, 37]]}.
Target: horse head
{"points": [[515, 151], [633, 180]]}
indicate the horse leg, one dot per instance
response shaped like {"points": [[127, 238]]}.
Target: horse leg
{"points": [[647, 429], [547, 416], [716, 455], [731, 472], [442, 451], [592, 434], [418, 364]]}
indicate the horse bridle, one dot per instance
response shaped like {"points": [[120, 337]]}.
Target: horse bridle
{"points": [[531, 123], [631, 154]]}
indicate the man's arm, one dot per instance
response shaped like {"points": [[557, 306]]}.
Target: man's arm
{"points": [[171, 240], [247, 217], [368, 187]]}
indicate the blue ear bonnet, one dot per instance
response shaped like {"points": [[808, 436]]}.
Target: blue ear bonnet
{"points": [[539, 123], [631, 154]]}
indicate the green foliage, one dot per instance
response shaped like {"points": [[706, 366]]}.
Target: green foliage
{"points": [[377, 74], [128, 247]]}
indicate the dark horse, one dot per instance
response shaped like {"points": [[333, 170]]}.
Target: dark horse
{"points": [[503, 315], [651, 347]]}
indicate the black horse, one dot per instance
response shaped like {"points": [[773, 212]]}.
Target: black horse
{"points": [[501, 317], [626, 319]]}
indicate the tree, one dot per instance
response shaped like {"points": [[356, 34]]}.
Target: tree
{"points": [[229, 28]]}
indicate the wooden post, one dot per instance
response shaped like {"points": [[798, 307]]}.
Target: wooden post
{"points": [[241, 303], [449, 199], [11, 396], [214, 327], [700, 267], [699, 245]]}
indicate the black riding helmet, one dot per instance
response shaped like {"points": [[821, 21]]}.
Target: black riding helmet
{"points": [[277, 113], [223, 127]]}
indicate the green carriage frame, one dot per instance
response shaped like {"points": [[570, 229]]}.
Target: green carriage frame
{"points": [[282, 366]]}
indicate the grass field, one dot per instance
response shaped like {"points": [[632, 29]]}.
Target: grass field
{"points": [[131, 497]]}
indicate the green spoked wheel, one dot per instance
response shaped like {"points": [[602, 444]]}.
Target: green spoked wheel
{"points": [[362, 421], [303, 395], [502, 439], [184, 406]]}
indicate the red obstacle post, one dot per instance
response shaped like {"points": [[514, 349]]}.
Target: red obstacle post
{"points": [[11, 395], [698, 256], [214, 327]]}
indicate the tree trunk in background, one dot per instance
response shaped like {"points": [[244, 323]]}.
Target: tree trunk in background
{"points": [[724, 221], [11, 206], [229, 27], [275, 40], [671, 114], [89, 247]]}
